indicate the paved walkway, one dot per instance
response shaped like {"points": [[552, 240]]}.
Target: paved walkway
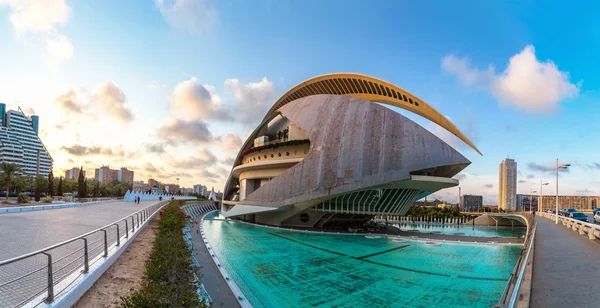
{"points": [[214, 283], [566, 268], [21, 233]]}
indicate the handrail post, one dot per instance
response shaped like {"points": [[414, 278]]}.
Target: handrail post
{"points": [[86, 260], [137, 216], [50, 297], [126, 228], [105, 243], [132, 224], [118, 235]]}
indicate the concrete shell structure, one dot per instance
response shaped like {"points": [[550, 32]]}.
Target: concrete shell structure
{"points": [[340, 160]]}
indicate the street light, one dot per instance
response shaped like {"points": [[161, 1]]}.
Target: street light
{"points": [[541, 202], [565, 166]]}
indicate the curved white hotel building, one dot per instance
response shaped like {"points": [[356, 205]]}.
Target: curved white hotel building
{"points": [[326, 156], [21, 144]]}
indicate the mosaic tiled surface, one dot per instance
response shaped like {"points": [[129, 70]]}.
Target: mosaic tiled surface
{"points": [[280, 268]]}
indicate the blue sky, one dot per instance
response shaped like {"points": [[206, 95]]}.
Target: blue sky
{"points": [[146, 84]]}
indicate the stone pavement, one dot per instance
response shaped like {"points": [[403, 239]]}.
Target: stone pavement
{"points": [[566, 268], [21, 233], [214, 283]]}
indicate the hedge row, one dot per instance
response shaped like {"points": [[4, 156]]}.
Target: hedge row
{"points": [[169, 277]]}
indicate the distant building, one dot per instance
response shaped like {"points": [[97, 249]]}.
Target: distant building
{"points": [[152, 183], [139, 186], [73, 173], [527, 202], [169, 188], [471, 203], [507, 194], [105, 175], [20, 143], [576, 202], [201, 190], [125, 175]]}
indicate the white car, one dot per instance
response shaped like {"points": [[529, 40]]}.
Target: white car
{"points": [[597, 217]]}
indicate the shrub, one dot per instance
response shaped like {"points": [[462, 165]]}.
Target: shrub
{"points": [[169, 277], [23, 198], [47, 199], [6, 202]]}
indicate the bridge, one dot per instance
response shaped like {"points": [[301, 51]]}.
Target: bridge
{"points": [[559, 265]]}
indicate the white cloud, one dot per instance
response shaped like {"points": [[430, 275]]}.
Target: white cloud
{"points": [[57, 51], [231, 142], [192, 15], [175, 131], [112, 101], [254, 98], [37, 16], [195, 101], [525, 84], [40, 17], [69, 102], [531, 85], [467, 75]]}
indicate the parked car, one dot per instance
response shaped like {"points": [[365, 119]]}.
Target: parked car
{"points": [[578, 216], [596, 210], [567, 212], [597, 217]]}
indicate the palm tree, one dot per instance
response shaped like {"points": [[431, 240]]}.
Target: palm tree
{"points": [[8, 170]]}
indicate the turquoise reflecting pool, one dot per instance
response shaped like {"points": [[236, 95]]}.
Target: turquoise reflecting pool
{"points": [[282, 268], [486, 231]]}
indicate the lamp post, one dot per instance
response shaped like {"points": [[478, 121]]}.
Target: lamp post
{"points": [[541, 202], [564, 166]]}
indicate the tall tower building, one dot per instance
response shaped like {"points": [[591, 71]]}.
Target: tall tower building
{"points": [[507, 194]]}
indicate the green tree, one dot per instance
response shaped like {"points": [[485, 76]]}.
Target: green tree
{"points": [[37, 191], [455, 210], [59, 191], [51, 184], [81, 191], [9, 170], [96, 192], [70, 186], [19, 184]]}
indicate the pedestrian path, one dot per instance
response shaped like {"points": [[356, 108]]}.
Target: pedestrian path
{"points": [[214, 283], [22, 233], [566, 268]]}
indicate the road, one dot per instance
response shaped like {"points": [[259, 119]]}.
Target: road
{"points": [[21, 233]]}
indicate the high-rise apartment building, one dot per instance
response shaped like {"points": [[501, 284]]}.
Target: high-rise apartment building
{"points": [[106, 175], [471, 203], [20, 143], [73, 173], [507, 194], [125, 175], [200, 190]]}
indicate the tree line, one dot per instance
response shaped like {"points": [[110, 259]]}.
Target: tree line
{"points": [[15, 183]]}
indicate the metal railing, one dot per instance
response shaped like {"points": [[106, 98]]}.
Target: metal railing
{"points": [[512, 291], [592, 231], [42, 275]]}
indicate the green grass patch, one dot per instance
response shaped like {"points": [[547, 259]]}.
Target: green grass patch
{"points": [[169, 277]]}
